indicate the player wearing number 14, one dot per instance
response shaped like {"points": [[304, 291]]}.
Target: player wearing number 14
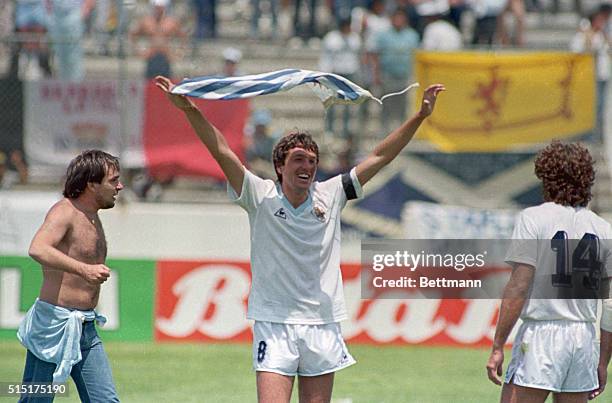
{"points": [[554, 244]]}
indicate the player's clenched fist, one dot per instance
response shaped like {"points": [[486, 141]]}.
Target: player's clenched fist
{"points": [[95, 273]]}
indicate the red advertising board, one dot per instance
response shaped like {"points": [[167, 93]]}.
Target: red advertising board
{"points": [[172, 147], [207, 301], [202, 301]]}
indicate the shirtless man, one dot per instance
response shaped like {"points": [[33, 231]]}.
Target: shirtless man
{"points": [[159, 28], [59, 330]]}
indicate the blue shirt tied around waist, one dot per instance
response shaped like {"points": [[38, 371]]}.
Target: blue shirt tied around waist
{"points": [[53, 333]]}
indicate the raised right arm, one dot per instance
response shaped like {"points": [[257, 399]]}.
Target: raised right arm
{"points": [[210, 136]]}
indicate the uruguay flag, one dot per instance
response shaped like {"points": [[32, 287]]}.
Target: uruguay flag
{"points": [[330, 88]]}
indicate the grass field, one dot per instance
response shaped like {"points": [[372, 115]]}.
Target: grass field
{"points": [[218, 373]]}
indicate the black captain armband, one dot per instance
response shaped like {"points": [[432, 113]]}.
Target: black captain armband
{"points": [[349, 188]]}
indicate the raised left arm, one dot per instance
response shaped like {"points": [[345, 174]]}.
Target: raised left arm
{"points": [[391, 146]]}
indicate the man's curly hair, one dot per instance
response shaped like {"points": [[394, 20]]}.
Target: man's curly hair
{"points": [[567, 173], [292, 140]]}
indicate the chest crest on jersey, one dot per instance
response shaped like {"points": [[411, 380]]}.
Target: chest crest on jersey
{"points": [[319, 212]]}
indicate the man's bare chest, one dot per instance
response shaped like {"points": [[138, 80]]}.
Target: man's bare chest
{"points": [[87, 242]]}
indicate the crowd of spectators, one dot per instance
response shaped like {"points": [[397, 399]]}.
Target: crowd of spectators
{"points": [[49, 33], [370, 42]]}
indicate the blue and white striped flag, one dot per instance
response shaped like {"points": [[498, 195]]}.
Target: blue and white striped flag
{"points": [[330, 88]]}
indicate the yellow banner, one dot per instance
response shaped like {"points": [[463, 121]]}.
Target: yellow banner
{"points": [[497, 102]]}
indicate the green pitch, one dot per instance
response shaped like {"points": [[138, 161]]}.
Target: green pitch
{"points": [[218, 373]]}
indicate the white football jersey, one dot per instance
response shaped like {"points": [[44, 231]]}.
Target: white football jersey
{"points": [[295, 252], [554, 262]]}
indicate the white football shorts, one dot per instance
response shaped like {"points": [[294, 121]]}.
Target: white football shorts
{"points": [[560, 356], [305, 350]]}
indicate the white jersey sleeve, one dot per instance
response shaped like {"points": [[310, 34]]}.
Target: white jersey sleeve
{"points": [[523, 249], [354, 181], [351, 188], [254, 191]]}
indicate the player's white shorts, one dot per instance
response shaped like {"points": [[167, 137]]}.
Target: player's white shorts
{"points": [[305, 350], [560, 356]]}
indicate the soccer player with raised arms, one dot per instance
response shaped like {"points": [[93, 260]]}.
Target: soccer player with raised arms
{"points": [[555, 348], [296, 297]]}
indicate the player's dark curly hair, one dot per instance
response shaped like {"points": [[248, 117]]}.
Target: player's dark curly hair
{"points": [[292, 140], [567, 173], [89, 166]]}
